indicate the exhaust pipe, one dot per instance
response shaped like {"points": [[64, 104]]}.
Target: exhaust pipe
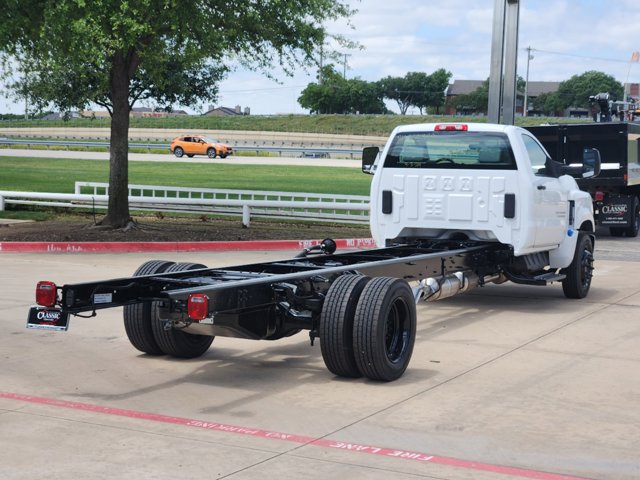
{"points": [[432, 289]]}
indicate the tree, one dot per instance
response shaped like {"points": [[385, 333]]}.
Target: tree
{"points": [[337, 95], [396, 88], [478, 100], [115, 52], [474, 102], [428, 89], [416, 89], [576, 91], [549, 103]]}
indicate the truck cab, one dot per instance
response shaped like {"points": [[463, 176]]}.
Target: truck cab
{"points": [[481, 182]]}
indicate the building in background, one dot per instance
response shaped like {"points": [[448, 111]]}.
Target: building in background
{"points": [[226, 111]]}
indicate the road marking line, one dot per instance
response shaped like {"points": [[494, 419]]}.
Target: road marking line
{"points": [[299, 439]]}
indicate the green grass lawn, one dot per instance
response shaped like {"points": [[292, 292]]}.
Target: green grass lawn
{"points": [[59, 175]]}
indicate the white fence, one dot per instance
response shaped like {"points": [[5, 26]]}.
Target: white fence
{"points": [[245, 203]]}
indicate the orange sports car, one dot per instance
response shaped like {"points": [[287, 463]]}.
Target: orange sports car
{"points": [[191, 145]]}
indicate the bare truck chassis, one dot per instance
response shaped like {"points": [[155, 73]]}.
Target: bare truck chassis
{"points": [[358, 304]]}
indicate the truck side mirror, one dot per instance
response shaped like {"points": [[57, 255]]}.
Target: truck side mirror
{"points": [[591, 161], [369, 157]]}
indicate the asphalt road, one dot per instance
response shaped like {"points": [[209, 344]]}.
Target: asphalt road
{"points": [[506, 382], [158, 157]]}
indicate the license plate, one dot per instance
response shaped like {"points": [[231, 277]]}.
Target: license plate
{"points": [[47, 318]]}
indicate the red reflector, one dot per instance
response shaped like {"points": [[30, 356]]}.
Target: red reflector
{"points": [[46, 294], [598, 196], [198, 306], [452, 127]]}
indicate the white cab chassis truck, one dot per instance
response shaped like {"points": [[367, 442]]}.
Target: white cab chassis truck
{"points": [[453, 207]]}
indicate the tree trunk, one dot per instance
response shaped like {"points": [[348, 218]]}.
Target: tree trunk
{"points": [[118, 212]]}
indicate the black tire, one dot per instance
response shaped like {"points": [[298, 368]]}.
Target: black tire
{"points": [[175, 342], [632, 231], [223, 155], [137, 318], [384, 329], [178, 152], [579, 273], [211, 153], [190, 155], [336, 325], [616, 231]]}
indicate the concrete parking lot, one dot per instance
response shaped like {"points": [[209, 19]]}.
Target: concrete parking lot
{"points": [[505, 382]]}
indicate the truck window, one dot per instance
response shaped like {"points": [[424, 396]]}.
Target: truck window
{"points": [[471, 150], [537, 155]]}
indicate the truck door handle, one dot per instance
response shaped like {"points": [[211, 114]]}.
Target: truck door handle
{"points": [[387, 201], [541, 187]]}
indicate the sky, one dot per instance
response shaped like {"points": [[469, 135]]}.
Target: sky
{"points": [[567, 37]]}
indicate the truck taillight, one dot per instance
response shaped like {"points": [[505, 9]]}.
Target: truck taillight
{"points": [[46, 294], [198, 306], [452, 127], [598, 196]]}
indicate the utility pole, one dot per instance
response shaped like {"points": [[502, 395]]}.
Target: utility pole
{"points": [[525, 106], [344, 72], [321, 66]]}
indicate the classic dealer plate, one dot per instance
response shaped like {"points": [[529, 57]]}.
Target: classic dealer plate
{"points": [[47, 318]]}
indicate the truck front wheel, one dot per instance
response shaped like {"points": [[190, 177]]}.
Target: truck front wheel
{"points": [[578, 275], [336, 325], [171, 340], [137, 318], [384, 329]]}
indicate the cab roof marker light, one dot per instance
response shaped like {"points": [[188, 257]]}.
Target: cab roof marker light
{"points": [[452, 127], [46, 294], [198, 306]]}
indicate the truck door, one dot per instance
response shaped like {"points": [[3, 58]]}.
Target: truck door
{"points": [[549, 209]]}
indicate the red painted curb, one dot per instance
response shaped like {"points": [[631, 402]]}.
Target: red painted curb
{"points": [[121, 247]]}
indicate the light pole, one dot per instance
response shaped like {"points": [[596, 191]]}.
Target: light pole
{"points": [[504, 53], [526, 84]]}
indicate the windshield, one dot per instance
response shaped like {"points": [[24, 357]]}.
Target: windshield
{"points": [[209, 140], [475, 150]]}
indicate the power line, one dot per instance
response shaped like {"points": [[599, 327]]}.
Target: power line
{"points": [[580, 56], [250, 90]]}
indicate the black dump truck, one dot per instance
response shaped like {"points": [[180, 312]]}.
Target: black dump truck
{"points": [[616, 190]]}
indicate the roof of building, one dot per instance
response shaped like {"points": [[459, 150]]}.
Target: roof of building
{"points": [[463, 87], [535, 88], [223, 110]]}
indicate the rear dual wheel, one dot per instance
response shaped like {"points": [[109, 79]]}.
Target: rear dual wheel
{"points": [[384, 329], [336, 325], [368, 327], [137, 317], [171, 340], [147, 332]]}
